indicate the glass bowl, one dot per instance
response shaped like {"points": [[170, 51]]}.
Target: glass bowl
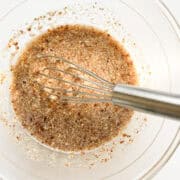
{"points": [[148, 32]]}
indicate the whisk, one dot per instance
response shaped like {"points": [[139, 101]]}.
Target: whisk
{"points": [[83, 86]]}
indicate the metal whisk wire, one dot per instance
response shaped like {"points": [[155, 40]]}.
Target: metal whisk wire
{"points": [[102, 89]]}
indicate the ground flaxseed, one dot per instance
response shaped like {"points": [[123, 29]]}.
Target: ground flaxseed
{"points": [[67, 126]]}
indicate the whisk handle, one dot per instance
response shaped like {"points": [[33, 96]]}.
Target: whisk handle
{"points": [[146, 100]]}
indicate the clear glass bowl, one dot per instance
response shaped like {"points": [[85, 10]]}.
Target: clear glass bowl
{"points": [[147, 31]]}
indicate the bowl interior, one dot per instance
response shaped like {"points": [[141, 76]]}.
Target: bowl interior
{"points": [[29, 158]]}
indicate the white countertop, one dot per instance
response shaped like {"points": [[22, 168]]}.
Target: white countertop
{"points": [[171, 171]]}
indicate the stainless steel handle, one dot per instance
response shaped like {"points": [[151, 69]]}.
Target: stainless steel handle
{"points": [[146, 100]]}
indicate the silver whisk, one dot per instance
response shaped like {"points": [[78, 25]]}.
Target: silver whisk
{"points": [[79, 85]]}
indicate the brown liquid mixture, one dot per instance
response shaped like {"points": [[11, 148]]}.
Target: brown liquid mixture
{"points": [[63, 125]]}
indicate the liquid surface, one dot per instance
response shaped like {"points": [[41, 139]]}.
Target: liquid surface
{"points": [[63, 125]]}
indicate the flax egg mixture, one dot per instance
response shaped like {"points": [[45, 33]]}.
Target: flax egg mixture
{"points": [[66, 125]]}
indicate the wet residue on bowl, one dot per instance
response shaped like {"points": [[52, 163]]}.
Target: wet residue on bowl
{"points": [[31, 147]]}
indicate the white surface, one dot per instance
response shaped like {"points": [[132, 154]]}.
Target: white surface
{"points": [[171, 171]]}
